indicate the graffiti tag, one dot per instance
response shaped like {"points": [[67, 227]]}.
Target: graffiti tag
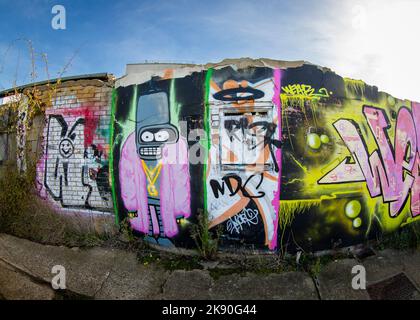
{"points": [[235, 185], [245, 217], [304, 90]]}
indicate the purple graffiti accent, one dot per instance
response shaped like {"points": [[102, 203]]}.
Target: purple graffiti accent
{"points": [[276, 200], [415, 192], [391, 170], [174, 185], [395, 187]]}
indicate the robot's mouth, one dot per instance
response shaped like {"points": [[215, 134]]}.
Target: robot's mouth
{"points": [[151, 151]]}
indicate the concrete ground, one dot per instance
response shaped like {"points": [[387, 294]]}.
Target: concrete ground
{"points": [[105, 273]]}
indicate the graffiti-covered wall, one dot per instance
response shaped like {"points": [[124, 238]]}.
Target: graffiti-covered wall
{"points": [[275, 154], [244, 170], [73, 172], [352, 159], [157, 173], [274, 157]]}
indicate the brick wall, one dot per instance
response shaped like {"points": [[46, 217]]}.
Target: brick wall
{"points": [[73, 171]]}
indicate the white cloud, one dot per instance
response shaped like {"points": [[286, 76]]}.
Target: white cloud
{"points": [[376, 41]]}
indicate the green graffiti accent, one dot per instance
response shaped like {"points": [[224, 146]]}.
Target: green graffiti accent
{"points": [[295, 180], [174, 106], [314, 141], [353, 209], [391, 101], [102, 132], [325, 139], [299, 164], [111, 154], [355, 87], [410, 220], [298, 95], [357, 223], [289, 208], [206, 142], [306, 99], [102, 129], [128, 126]]}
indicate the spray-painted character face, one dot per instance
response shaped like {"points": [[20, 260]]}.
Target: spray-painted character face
{"points": [[153, 126], [66, 148]]}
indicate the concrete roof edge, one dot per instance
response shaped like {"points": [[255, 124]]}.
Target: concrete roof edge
{"points": [[260, 62], [99, 76], [239, 62]]}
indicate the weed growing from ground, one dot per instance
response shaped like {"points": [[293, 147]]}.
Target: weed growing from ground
{"points": [[207, 241], [407, 237]]}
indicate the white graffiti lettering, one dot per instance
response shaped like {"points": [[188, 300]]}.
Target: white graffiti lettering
{"points": [[246, 217]]}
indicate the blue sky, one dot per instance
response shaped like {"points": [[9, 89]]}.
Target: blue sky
{"points": [[373, 40]]}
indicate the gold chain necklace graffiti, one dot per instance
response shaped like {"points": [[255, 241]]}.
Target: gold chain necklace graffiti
{"points": [[152, 175]]}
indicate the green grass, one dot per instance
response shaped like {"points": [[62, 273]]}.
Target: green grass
{"points": [[24, 214]]}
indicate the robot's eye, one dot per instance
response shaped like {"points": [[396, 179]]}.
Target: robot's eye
{"points": [[162, 135], [147, 136]]}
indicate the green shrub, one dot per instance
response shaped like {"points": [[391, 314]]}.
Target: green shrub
{"points": [[15, 198], [24, 214]]}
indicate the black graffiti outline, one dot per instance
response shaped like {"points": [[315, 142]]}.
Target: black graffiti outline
{"points": [[243, 124], [63, 153], [233, 94], [70, 135], [268, 140], [217, 187]]}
